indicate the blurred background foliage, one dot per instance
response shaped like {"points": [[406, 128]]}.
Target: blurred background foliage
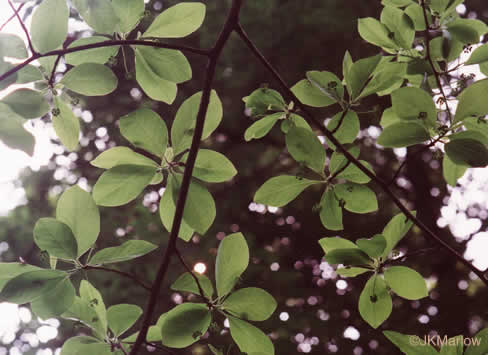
{"points": [[314, 306]]}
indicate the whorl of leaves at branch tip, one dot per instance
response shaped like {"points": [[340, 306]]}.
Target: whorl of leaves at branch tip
{"points": [[405, 73]]}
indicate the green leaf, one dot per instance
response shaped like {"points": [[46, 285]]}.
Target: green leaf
{"points": [[232, 260], [121, 156], [95, 55], [482, 339], [467, 31], [212, 166], [407, 345], [406, 282], [320, 89], [90, 79], [331, 243], [389, 117], [200, 211], [387, 78], [352, 271], [453, 346], [155, 87], [304, 146], [28, 286], [395, 230], [90, 294], [12, 46], [131, 249], [121, 184], [184, 325], [479, 55], [478, 125], [77, 209], [359, 74], [467, 152], [374, 32], [280, 190], [403, 134], [411, 103], [27, 103], [49, 26], [263, 100], [400, 24], [338, 160], [28, 74], [10, 270], [80, 345], [397, 3], [470, 103], [185, 119], [345, 126], [330, 211], [348, 256], [375, 303], [167, 208], [99, 15], [129, 12], [178, 21], [353, 174], [250, 304], [357, 198], [187, 283], [374, 247], [83, 311], [56, 301], [66, 125], [167, 64], [145, 129], [416, 14], [122, 316], [248, 338], [262, 127], [452, 172], [12, 132], [56, 238]]}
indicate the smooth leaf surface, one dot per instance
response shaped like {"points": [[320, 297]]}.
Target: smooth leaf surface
{"points": [[359, 73], [185, 119], [304, 146], [263, 100], [353, 174], [248, 338], [99, 15], [406, 282], [280, 190], [121, 156], [232, 260], [90, 294], [66, 125], [28, 286], [10, 270], [479, 55], [375, 303], [452, 172], [352, 271], [345, 126], [374, 32], [250, 303], [212, 166], [348, 256], [262, 127], [49, 26], [129, 12], [121, 317], [90, 79], [410, 103], [467, 152], [320, 89], [395, 230], [80, 345], [78, 210], [167, 64], [129, 250], [470, 103], [330, 211], [185, 324], [56, 301], [12, 132], [178, 21], [83, 311], [121, 184], [27, 103], [56, 238], [27, 74], [187, 283], [374, 247], [357, 198], [145, 129], [12, 46], [331, 243], [403, 134], [404, 343], [94, 55]]}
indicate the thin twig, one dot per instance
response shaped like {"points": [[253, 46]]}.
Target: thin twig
{"points": [[213, 56], [34, 52], [341, 120], [431, 62], [384, 186], [12, 17], [123, 273], [53, 72], [200, 289]]}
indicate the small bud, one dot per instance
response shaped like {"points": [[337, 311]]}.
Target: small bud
{"points": [[56, 111]]}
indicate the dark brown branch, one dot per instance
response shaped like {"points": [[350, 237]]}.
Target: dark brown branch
{"points": [[431, 62], [123, 273], [384, 186], [16, 13], [12, 17], [111, 43], [213, 56], [53, 72]]}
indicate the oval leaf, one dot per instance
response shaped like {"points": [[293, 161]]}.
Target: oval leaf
{"points": [[470, 103], [99, 15], [27, 103], [466, 151], [250, 304], [406, 282], [305, 147], [248, 338], [129, 250], [357, 198], [49, 26], [95, 55], [187, 283], [55, 302], [261, 127], [168, 64], [280, 190], [403, 134], [122, 316], [212, 166], [56, 238], [66, 125], [375, 303], [90, 79], [121, 156]]}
